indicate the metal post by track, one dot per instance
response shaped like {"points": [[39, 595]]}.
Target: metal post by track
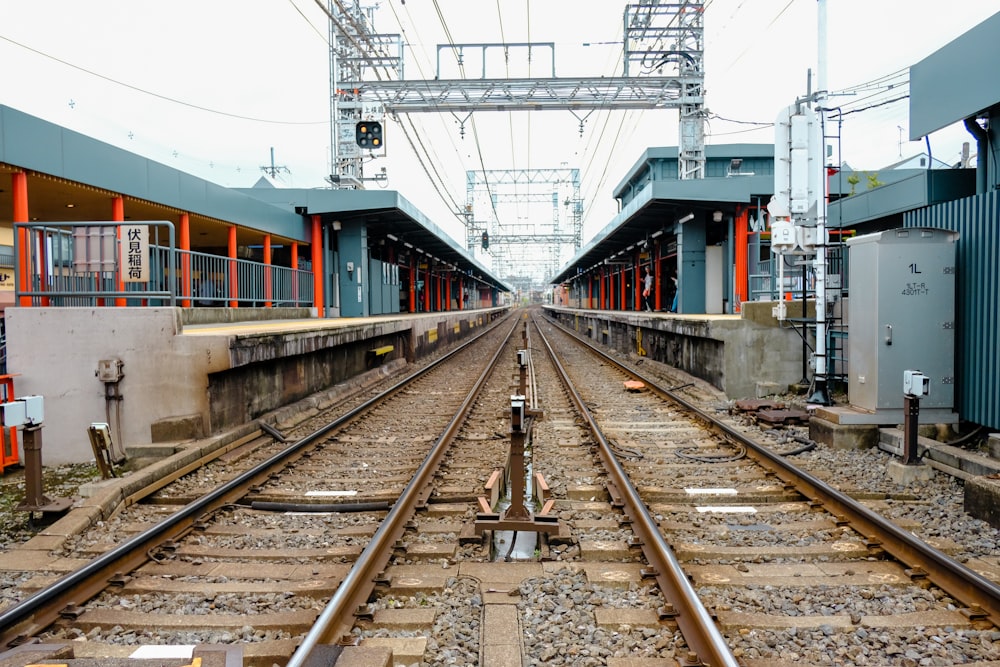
{"points": [[517, 516], [35, 499]]}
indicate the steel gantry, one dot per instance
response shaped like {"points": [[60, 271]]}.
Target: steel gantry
{"points": [[515, 245], [662, 68]]}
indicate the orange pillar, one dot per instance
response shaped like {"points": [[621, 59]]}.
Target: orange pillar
{"points": [[185, 248], [447, 284], [637, 288], [234, 286], [427, 289], [657, 276], [19, 188], [437, 291], [118, 215], [317, 265], [624, 293], [741, 246], [267, 271], [412, 301], [295, 275]]}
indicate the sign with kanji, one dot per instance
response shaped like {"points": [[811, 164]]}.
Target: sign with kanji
{"points": [[134, 260]]}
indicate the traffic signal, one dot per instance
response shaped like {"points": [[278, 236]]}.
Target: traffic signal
{"points": [[368, 134], [486, 241]]}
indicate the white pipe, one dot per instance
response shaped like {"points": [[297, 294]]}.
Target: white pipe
{"points": [[819, 158]]}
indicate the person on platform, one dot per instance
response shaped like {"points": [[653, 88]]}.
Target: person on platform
{"points": [[673, 305], [647, 289]]}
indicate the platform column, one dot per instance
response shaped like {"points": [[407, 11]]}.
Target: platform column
{"points": [[19, 191], [118, 215], [295, 273], [184, 234], [413, 284], [233, 269], [740, 259], [637, 283], [268, 287], [658, 276], [316, 252], [624, 293]]}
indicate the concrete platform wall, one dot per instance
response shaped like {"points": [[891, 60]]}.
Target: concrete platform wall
{"points": [[747, 356], [180, 385]]}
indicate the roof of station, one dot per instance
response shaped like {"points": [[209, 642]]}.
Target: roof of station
{"points": [[660, 203], [387, 215], [71, 177]]}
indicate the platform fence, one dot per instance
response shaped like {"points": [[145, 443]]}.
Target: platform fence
{"points": [[90, 264]]}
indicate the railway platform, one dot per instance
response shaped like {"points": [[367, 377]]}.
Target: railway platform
{"points": [[162, 374], [749, 355]]}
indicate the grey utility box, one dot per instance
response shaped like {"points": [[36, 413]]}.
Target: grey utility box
{"points": [[901, 316]]}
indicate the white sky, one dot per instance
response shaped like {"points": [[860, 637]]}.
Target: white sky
{"points": [[210, 86]]}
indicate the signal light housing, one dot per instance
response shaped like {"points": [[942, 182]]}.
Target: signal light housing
{"points": [[368, 134]]}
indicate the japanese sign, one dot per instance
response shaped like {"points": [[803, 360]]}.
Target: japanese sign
{"points": [[134, 260]]}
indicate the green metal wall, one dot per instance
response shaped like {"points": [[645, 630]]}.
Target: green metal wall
{"points": [[977, 220]]}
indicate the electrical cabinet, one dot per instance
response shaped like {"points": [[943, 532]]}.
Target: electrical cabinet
{"points": [[901, 316]]}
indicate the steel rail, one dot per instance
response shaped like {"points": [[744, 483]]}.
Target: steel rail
{"points": [[37, 612], [336, 620], [980, 595], [695, 622]]}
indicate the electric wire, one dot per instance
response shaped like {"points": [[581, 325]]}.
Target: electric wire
{"points": [[166, 98]]}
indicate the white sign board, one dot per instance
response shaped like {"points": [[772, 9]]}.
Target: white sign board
{"points": [[134, 248]]}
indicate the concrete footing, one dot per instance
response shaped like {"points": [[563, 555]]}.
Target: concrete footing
{"points": [[982, 499], [904, 474], [843, 436]]}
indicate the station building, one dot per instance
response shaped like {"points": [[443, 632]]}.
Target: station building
{"points": [[713, 235], [173, 308]]}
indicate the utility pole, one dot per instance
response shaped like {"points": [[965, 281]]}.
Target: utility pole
{"points": [[273, 170]]}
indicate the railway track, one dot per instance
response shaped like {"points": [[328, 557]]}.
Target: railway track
{"points": [[782, 560], [652, 535], [206, 560]]}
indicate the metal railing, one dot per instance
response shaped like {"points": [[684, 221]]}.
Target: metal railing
{"points": [[87, 264], [763, 276]]}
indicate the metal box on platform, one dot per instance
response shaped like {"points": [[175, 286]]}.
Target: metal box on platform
{"points": [[901, 316]]}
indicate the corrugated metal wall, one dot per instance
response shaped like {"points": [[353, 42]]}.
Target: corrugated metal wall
{"points": [[977, 220]]}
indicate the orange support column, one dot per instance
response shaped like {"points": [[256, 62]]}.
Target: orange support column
{"points": [[267, 271], [118, 215], [19, 191], [447, 283], [185, 247], [740, 271], [437, 291], [295, 275], [624, 292], [317, 265], [233, 269], [637, 288], [658, 276], [427, 289], [412, 301]]}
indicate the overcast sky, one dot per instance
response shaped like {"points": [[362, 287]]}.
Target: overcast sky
{"points": [[210, 86]]}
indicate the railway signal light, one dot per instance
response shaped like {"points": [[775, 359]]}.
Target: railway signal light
{"points": [[486, 241], [368, 134]]}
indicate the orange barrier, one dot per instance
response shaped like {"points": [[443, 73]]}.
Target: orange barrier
{"points": [[8, 446]]}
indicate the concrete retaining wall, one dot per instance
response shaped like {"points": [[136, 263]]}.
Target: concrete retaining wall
{"points": [[747, 356], [180, 385]]}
